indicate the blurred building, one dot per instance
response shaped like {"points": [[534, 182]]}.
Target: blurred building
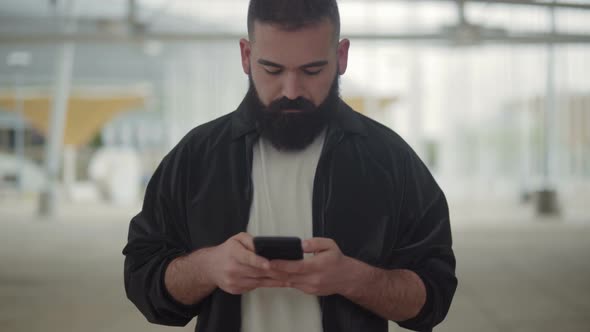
{"points": [[492, 95]]}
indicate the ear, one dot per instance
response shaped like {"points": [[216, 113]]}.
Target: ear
{"points": [[343, 47], [245, 50]]}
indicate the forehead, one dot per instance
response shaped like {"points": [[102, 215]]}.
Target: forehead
{"points": [[293, 47]]}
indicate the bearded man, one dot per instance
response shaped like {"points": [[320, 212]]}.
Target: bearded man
{"points": [[292, 160]]}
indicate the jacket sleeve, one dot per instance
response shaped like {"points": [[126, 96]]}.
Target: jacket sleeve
{"points": [[157, 235], [424, 243]]}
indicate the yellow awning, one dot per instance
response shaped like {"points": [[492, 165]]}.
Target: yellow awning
{"points": [[86, 114]]}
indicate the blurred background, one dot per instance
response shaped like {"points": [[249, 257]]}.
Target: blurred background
{"points": [[493, 95]]}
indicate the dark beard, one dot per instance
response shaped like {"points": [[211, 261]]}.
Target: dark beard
{"points": [[297, 130]]}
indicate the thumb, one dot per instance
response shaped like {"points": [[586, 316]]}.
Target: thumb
{"points": [[318, 244], [245, 240]]}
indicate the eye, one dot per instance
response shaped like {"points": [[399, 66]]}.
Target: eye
{"points": [[273, 72], [312, 72]]}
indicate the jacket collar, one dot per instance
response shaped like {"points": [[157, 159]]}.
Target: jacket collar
{"points": [[346, 121]]}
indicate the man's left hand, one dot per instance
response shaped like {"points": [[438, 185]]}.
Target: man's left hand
{"points": [[328, 272]]}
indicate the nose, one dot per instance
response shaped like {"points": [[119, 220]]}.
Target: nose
{"points": [[292, 86]]}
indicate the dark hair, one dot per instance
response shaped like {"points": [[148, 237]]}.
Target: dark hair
{"points": [[293, 14]]}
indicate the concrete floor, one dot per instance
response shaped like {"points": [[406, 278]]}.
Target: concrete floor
{"points": [[66, 274]]}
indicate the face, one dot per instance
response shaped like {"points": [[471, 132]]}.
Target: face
{"points": [[293, 64], [293, 80]]}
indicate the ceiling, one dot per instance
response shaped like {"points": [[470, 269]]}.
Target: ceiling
{"points": [[455, 22], [121, 46]]}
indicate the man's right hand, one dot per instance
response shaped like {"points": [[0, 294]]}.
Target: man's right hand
{"points": [[232, 266], [236, 269]]}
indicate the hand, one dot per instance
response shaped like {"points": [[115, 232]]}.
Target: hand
{"points": [[236, 268], [327, 272]]}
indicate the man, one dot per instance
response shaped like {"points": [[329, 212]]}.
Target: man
{"points": [[292, 160]]}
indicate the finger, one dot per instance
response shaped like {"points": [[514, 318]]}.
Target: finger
{"points": [[290, 267], [277, 275], [246, 257], [254, 272], [273, 274], [249, 284], [303, 287], [248, 271], [271, 283], [318, 244], [310, 285], [310, 280], [243, 285], [245, 240]]}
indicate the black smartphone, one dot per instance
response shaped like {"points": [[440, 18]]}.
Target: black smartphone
{"points": [[278, 247]]}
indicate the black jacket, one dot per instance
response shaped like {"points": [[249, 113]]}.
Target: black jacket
{"points": [[371, 194]]}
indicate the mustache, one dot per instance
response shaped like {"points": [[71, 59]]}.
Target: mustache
{"points": [[284, 103]]}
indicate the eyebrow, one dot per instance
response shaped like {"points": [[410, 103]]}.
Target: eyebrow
{"points": [[305, 66]]}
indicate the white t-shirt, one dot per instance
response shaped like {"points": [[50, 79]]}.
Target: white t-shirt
{"points": [[282, 206]]}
